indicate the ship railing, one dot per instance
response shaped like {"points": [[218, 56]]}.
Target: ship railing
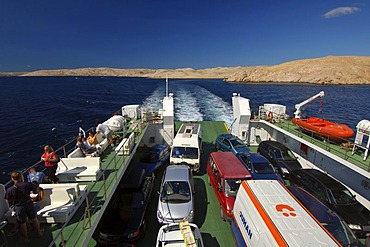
{"points": [[342, 149], [115, 167], [62, 152]]}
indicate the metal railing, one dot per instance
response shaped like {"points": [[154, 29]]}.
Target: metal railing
{"points": [[93, 205], [327, 144]]}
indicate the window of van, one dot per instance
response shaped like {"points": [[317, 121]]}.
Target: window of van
{"points": [[185, 152], [232, 186]]}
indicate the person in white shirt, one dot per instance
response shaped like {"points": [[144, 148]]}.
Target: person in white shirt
{"points": [[106, 131]]}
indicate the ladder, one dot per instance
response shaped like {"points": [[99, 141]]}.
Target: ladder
{"points": [[187, 234]]}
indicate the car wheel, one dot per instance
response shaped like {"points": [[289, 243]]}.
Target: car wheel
{"points": [[222, 214]]}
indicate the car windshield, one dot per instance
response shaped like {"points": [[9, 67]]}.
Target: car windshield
{"points": [[343, 196], [341, 232], [288, 155], [232, 186], [185, 152], [237, 143], [176, 192], [263, 168]]}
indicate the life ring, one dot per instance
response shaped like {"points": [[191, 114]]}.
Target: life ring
{"points": [[270, 116]]}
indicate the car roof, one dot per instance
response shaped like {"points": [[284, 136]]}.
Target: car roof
{"points": [[157, 148], [135, 179], [255, 157], [321, 177], [274, 144], [227, 136], [232, 168], [177, 173]]}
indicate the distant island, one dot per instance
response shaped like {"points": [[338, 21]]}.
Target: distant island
{"points": [[330, 70]]}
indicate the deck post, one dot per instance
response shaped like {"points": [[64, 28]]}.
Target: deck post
{"points": [[105, 187], [63, 242], [115, 165], [87, 213]]}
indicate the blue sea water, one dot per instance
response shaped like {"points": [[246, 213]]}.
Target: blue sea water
{"points": [[36, 111]]}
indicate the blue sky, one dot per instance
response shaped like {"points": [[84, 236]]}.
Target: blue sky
{"points": [[177, 34]]}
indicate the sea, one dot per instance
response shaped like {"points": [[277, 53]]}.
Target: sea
{"points": [[36, 111]]}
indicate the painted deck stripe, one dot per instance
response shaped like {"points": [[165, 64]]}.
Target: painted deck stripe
{"points": [[227, 128], [270, 225]]}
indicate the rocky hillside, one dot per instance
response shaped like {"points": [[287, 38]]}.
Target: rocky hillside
{"points": [[220, 72], [327, 70]]}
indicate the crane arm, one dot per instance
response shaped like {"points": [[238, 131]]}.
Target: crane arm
{"points": [[297, 113]]}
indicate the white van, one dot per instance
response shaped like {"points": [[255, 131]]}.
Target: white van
{"points": [[187, 146], [266, 214]]}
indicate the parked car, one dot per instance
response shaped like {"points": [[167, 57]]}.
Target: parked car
{"points": [[336, 196], [154, 158], [171, 235], [230, 143], [259, 166], [281, 157], [124, 219], [225, 174], [333, 223], [176, 200]]}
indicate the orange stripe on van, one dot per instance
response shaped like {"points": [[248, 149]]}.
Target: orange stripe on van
{"points": [[270, 225]]}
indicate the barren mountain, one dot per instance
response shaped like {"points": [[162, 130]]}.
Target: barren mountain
{"points": [[327, 70]]}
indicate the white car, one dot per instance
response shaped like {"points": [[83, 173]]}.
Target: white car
{"points": [[171, 235], [176, 200]]}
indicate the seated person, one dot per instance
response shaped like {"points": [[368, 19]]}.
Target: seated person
{"points": [[92, 139], [37, 196], [34, 175], [85, 149]]}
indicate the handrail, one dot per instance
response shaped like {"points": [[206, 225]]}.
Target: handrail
{"points": [[327, 145], [61, 152], [94, 204]]}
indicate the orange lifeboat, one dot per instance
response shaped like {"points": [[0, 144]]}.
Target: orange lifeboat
{"points": [[332, 131]]}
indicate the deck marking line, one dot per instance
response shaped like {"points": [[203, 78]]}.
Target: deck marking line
{"points": [[227, 128]]}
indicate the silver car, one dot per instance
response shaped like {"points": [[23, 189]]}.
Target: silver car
{"points": [[176, 200]]}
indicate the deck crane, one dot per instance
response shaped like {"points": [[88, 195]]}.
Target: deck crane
{"points": [[297, 113]]}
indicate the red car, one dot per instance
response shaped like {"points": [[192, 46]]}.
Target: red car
{"points": [[225, 173]]}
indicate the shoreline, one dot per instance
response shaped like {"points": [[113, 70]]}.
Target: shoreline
{"points": [[331, 70]]}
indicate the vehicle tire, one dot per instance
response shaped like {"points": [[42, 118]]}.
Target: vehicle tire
{"points": [[222, 214]]}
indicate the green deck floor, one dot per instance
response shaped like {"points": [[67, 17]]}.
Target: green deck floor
{"points": [[215, 232]]}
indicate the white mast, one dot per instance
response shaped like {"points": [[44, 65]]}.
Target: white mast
{"points": [[166, 86]]}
